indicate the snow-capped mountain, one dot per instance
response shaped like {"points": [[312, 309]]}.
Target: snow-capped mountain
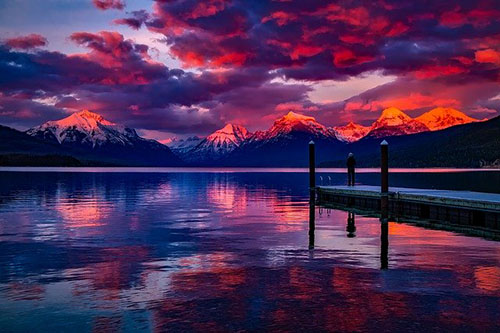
{"points": [[218, 144], [226, 139], [93, 140], [182, 146], [351, 132], [393, 122], [85, 128], [285, 142], [295, 123], [441, 118], [89, 135]]}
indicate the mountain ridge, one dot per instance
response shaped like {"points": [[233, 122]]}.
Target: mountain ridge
{"points": [[217, 145], [440, 118], [89, 138], [88, 135]]}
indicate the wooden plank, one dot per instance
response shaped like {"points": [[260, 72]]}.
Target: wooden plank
{"points": [[443, 198]]}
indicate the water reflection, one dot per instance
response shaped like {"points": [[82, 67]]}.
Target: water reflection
{"points": [[224, 252], [312, 222], [351, 225], [384, 244]]}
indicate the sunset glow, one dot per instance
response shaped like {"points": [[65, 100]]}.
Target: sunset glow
{"points": [[181, 68]]}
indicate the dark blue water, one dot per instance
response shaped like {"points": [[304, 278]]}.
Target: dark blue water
{"points": [[230, 251]]}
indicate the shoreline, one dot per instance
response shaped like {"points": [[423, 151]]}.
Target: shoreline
{"points": [[233, 170]]}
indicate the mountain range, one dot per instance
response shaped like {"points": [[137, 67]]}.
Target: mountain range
{"points": [[475, 144], [86, 138]]}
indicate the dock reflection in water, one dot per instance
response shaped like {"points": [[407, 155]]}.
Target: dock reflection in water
{"points": [[214, 252]]}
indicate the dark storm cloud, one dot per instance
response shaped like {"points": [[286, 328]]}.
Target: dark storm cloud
{"points": [[317, 40], [135, 20], [117, 78]]}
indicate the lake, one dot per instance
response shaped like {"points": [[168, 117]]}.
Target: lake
{"points": [[228, 250]]}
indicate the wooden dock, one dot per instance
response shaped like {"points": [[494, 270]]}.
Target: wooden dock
{"points": [[455, 207]]}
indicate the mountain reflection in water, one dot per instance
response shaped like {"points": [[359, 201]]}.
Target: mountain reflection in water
{"points": [[227, 251]]}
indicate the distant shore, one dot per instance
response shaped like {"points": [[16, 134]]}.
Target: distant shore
{"points": [[231, 169]]}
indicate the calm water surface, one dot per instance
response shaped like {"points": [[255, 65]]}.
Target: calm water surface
{"points": [[226, 251]]}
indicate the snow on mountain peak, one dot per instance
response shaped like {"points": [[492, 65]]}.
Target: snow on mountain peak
{"points": [[392, 117], [230, 133], [217, 144], [440, 118], [182, 146], [84, 127], [394, 122], [296, 122], [83, 119], [292, 116], [351, 132]]}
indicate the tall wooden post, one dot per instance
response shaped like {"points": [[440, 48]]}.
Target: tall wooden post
{"points": [[312, 167], [312, 193], [384, 181], [384, 167]]}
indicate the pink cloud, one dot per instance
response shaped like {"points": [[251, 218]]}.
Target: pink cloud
{"points": [[27, 42], [109, 4]]}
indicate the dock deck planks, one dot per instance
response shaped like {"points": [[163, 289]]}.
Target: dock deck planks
{"points": [[462, 199]]}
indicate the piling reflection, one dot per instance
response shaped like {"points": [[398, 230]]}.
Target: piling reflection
{"points": [[351, 225], [384, 244], [312, 223]]}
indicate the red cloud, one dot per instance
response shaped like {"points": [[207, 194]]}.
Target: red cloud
{"points": [[358, 16], [292, 37], [453, 18], [197, 59], [343, 57], [282, 18], [477, 16], [207, 8], [129, 62], [397, 29], [27, 42], [433, 71], [357, 39], [488, 56], [305, 50], [233, 58], [109, 4], [190, 58]]}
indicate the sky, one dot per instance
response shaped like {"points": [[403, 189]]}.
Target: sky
{"points": [[176, 68]]}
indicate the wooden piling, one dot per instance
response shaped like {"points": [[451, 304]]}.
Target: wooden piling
{"points": [[312, 193], [384, 167], [384, 181], [312, 165]]}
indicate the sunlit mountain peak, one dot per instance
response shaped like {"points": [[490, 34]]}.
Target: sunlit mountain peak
{"points": [[217, 144], [392, 117], [84, 127], [393, 122], [351, 132], [296, 122], [440, 118], [292, 116], [229, 133], [84, 119]]}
